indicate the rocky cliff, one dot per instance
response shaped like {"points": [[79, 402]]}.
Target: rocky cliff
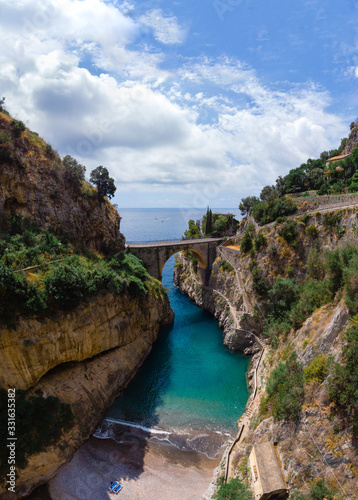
{"points": [[86, 355], [352, 141], [33, 184], [85, 358], [319, 444], [223, 299]]}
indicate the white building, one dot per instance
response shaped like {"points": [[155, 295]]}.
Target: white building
{"points": [[267, 479]]}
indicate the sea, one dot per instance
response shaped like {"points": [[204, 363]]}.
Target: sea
{"points": [[191, 390]]}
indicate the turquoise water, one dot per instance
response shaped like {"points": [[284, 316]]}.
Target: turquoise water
{"points": [[191, 390], [190, 381]]}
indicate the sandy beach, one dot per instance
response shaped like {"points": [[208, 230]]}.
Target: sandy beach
{"points": [[147, 470]]}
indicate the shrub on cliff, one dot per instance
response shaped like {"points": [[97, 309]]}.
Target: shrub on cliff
{"points": [[318, 491], [62, 276], [18, 127], [282, 295], [350, 276], [74, 172], [343, 383], [331, 221], [259, 283], [259, 242], [67, 285], [289, 232], [226, 266], [232, 490], [39, 423], [17, 295], [312, 295], [312, 231], [285, 391], [246, 242], [265, 212], [317, 369]]}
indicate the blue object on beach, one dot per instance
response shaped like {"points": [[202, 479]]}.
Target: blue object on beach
{"points": [[113, 485], [118, 489]]}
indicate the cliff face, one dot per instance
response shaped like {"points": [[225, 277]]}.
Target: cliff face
{"points": [[319, 445], [316, 446], [32, 185], [95, 350], [352, 141], [85, 357], [223, 299], [107, 322]]}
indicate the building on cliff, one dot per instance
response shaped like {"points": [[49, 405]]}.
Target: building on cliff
{"points": [[332, 160], [267, 479]]}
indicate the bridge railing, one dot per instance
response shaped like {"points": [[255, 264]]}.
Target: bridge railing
{"points": [[174, 242], [151, 241]]}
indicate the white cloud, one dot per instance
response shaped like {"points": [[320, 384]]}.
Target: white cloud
{"points": [[209, 130], [166, 28]]}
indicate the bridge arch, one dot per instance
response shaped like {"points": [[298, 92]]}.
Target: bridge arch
{"points": [[155, 254], [201, 259]]}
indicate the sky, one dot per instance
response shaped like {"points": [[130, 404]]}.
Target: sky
{"points": [[187, 103]]}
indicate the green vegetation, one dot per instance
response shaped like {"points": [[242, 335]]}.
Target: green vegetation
{"points": [[211, 225], [226, 266], [39, 421], [64, 275], [247, 204], [234, 489], [269, 211], [259, 242], [331, 221], [208, 222], [67, 169], [103, 182], [18, 127], [343, 383], [74, 172], [220, 225], [289, 232], [318, 491], [317, 369], [193, 231], [285, 390], [286, 302], [338, 177], [246, 242], [312, 232], [259, 282]]}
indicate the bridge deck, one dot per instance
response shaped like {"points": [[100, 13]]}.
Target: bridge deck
{"points": [[178, 243]]}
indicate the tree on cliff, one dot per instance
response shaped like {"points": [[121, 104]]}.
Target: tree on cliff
{"points": [[193, 231], [74, 171], [208, 221], [103, 182], [247, 204]]}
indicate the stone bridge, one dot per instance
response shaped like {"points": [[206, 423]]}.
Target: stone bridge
{"points": [[155, 255]]}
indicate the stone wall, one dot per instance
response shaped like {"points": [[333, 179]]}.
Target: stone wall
{"points": [[324, 202]]}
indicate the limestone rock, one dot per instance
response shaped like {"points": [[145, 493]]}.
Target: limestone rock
{"points": [[93, 366], [31, 186]]}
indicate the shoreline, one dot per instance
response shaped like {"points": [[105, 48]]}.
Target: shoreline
{"points": [[147, 470]]}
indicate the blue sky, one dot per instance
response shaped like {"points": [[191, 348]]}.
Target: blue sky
{"points": [[187, 104]]}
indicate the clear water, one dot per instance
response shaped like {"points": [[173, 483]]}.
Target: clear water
{"points": [[190, 390], [161, 224]]}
